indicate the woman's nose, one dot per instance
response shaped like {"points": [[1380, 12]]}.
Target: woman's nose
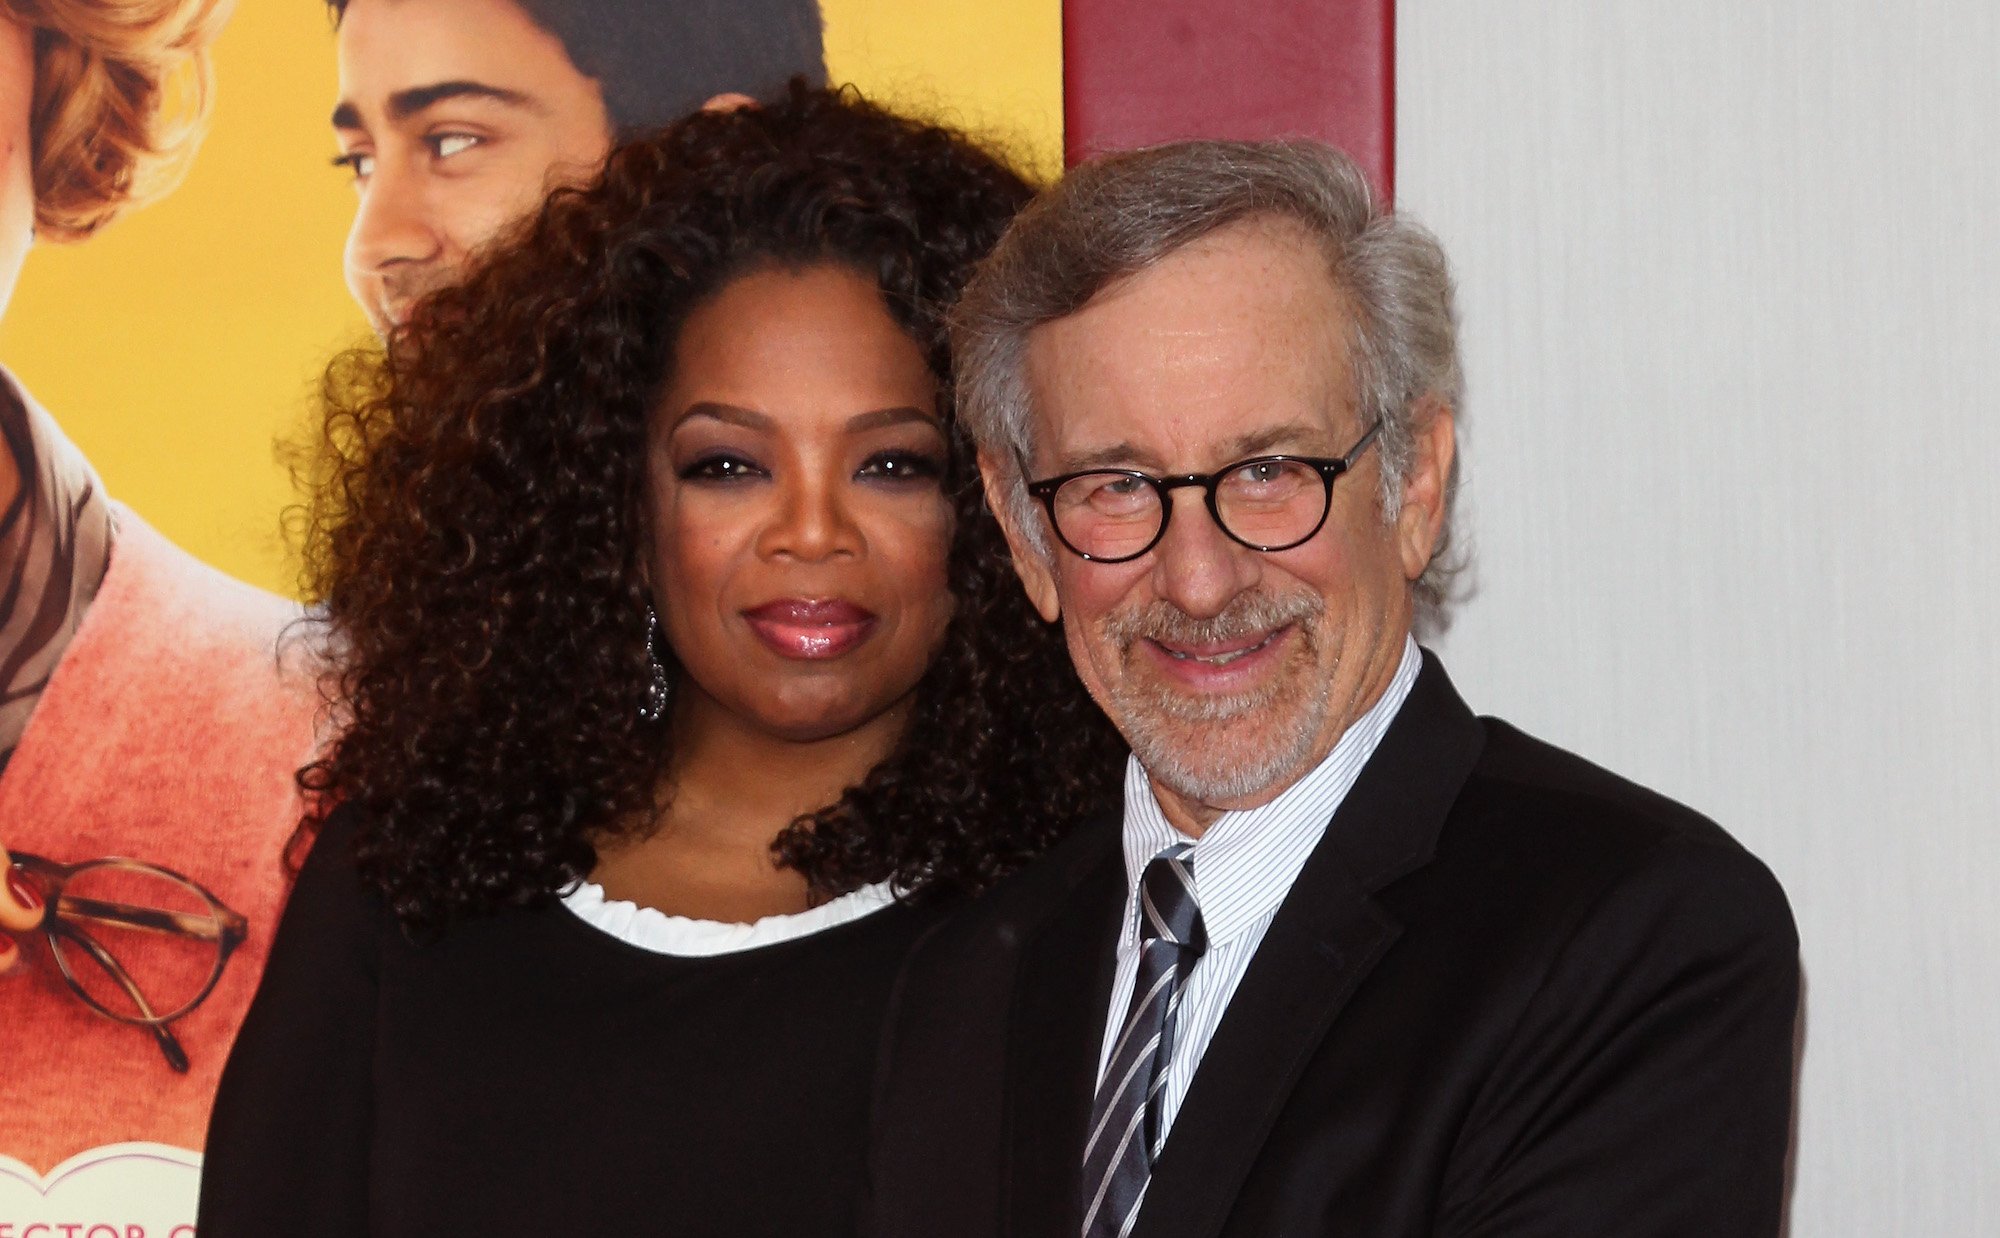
{"points": [[814, 520]]}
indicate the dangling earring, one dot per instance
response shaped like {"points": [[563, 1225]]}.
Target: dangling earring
{"points": [[653, 706]]}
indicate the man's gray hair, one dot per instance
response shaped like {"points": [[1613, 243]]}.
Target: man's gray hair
{"points": [[1120, 214]]}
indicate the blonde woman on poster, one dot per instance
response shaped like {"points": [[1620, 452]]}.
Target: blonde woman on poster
{"points": [[148, 734]]}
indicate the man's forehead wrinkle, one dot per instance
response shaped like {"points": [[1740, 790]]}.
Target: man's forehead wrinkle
{"points": [[1116, 456], [1294, 436], [1242, 331]]}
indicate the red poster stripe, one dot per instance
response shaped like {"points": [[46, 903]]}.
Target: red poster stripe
{"points": [[1136, 72]]}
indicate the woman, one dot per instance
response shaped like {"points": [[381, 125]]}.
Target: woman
{"points": [[144, 711], [686, 680]]}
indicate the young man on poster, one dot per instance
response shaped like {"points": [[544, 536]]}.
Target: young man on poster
{"points": [[457, 116]]}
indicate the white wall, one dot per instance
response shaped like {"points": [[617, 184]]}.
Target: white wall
{"points": [[1730, 279]]}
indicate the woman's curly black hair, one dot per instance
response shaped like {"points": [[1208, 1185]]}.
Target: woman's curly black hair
{"points": [[479, 517]]}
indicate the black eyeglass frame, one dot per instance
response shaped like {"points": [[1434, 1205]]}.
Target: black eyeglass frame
{"points": [[228, 929], [1329, 468]]}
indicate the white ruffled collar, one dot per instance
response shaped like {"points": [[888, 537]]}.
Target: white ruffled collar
{"points": [[651, 929]]}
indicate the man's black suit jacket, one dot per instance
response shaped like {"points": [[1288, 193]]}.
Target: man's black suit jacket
{"points": [[1510, 994]]}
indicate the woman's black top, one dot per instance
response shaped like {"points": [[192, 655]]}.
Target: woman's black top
{"points": [[527, 1073]]}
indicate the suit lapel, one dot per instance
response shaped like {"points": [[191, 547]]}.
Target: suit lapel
{"points": [[1326, 937], [1055, 1035]]}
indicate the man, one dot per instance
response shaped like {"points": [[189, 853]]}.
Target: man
{"points": [[1354, 961], [457, 116]]}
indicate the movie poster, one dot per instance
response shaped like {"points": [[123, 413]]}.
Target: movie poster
{"points": [[182, 249]]}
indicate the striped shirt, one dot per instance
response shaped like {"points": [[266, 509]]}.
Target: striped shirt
{"points": [[1244, 865], [55, 546]]}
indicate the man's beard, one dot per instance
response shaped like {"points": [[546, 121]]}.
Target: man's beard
{"points": [[1215, 748]]}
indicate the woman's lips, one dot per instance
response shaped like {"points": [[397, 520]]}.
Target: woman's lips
{"points": [[810, 629]]}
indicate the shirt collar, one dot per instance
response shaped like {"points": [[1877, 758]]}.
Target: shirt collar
{"points": [[1245, 862]]}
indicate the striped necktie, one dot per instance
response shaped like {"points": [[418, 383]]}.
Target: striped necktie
{"points": [[1125, 1132]]}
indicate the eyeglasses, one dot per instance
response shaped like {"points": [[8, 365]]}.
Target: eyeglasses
{"points": [[136, 942], [1267, 503]]}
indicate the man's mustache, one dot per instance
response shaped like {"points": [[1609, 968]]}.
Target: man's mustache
{"points": [[1248, 614]]}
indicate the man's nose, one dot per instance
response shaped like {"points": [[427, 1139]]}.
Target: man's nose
{"points": [[392, 225], [1197, 566], [814, 521]]}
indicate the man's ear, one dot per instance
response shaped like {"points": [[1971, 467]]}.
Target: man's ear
{"points": [[1427, 486], [1031, 564], [728, 101]]}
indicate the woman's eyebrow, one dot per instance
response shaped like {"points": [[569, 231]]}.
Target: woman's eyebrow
{"points": [[902, 414], [749, 419]]}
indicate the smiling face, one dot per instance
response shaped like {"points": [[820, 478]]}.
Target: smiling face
{"points": [[800, 527], [1231, 671], [456, 117], [17, 168]]}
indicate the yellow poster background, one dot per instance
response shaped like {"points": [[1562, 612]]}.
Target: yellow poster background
{"points": [[180, 346]]}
